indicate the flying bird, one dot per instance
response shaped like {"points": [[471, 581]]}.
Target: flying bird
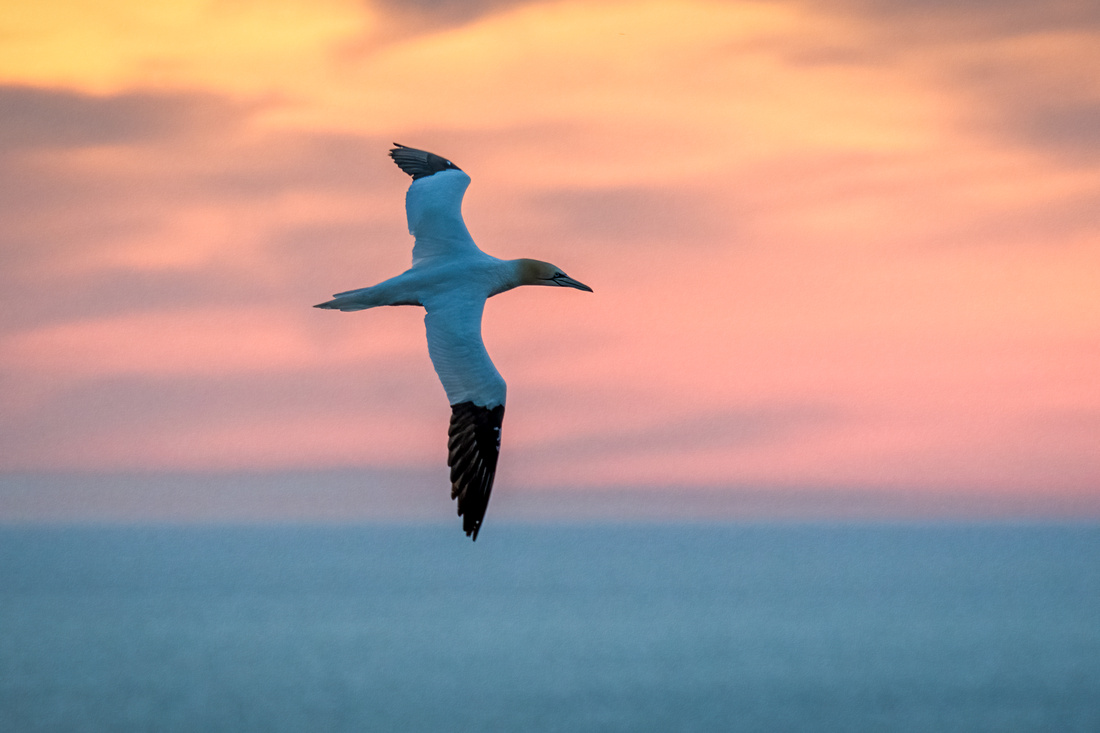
{"points": [[451, 278]]}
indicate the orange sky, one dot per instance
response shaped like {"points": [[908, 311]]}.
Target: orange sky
{"points": [[845, 243]]}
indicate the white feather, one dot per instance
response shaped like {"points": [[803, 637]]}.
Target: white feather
{"points": [[458, 352], [433, 206]]}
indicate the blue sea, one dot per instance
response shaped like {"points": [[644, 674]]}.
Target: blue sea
{"points": [[551, 627]]}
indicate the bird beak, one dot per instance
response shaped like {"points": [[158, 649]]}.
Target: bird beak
{"points": [[571, 283]]}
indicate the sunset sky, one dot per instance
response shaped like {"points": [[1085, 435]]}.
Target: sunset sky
{"points": [[835, 244]]}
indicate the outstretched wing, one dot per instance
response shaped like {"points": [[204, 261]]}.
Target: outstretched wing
{"points": [[433, 204], [476, 392]]}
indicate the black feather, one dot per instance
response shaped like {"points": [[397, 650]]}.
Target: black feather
{"points": [[472, 451], [419, 163]]}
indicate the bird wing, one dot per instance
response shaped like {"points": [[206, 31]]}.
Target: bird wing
{"points": [[476, 392], [433, 204]]}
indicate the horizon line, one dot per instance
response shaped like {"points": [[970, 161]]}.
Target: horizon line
{"points": [[342, 496]]}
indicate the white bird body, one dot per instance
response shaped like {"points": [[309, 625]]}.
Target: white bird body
{"points": [[451, 278]]}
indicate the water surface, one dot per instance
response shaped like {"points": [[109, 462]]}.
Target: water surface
{"points": [[691, 627]]}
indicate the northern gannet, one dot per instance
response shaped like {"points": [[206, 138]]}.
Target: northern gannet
{"points": [[451, 279]]}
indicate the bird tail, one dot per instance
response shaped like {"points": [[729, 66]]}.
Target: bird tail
{"points": [[395, 291], [372, 297], [345, 303]]}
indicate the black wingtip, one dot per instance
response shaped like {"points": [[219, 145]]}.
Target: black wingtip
{"points": [[419, 163], [473, 446]]}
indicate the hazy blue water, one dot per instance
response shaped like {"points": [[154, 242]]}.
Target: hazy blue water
{"points": [[541, 628]]}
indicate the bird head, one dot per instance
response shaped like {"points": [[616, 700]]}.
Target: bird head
{"points": [[536, 272]]}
